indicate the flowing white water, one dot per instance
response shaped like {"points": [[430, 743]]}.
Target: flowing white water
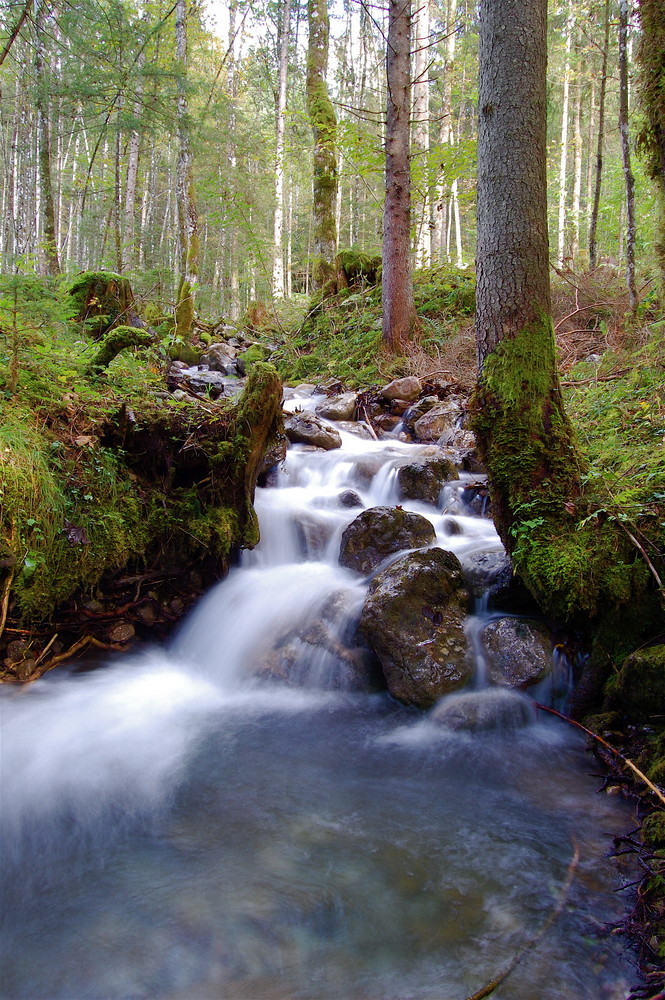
{"points": [[184, 824]]}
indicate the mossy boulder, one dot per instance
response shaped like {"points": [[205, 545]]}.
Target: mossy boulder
{"points": [[356, 266], [120, 338], [253, 354], [380, 532], [424, 478], [638, 690], [413, 620]]}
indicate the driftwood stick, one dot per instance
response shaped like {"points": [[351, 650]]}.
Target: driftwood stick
{"points": [[532, 942], [78, 647], [608, 746]]}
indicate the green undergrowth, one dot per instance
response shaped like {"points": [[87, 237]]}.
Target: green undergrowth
{"points": [[341, 336], [618, 410]]}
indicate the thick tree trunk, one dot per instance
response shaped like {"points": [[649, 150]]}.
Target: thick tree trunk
{"points": [[524, 435], [324, 127], [593, 223], [629, 180], [186, 195], [651, 140], [397, 287]]}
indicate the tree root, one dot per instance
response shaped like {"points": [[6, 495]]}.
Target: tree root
{"points": [[532, 942]]}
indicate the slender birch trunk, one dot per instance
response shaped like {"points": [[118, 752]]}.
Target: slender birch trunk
{"points": [[593, 224], [421, 28], [563, 160], [577, 177], [278, 257], [441, 234]]}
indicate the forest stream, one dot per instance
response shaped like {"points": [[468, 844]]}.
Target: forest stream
{"points": [[218, 819]]}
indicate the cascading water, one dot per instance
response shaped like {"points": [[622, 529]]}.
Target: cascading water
{"points": [[234, 818]]}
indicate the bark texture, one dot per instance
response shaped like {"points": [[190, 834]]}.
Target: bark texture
{"points": [[651, 140], [397, 287], [324, 127], [524, 434], [186, 195]]}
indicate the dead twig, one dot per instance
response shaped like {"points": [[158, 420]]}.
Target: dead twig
{"points": [[608, 746], [532, 942], [77, 647], [5, 601]]}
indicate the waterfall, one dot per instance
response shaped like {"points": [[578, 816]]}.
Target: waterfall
{"points": [[241, 815]]}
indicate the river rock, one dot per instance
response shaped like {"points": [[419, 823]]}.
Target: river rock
{"points": [[308, 428], [440, 418], [349, 498], [418, 410], [487, 572], [413, 619], [201, 381], [520, 652], [491, 708], [340, 407], [639, 689], [379, 532], [220, 358], [357, 427], [407, 388], [424, 478]]}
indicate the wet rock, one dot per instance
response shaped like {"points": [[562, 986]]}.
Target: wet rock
{"points": [[349, 498], [413, 619], [202, 382], [340, 407], [440, 418], [418, 410], [520, 652], [273, 457], [380, 532], [385, 421], [424, 478], [357, 427], [148, 612], [313, 535], [407, 388], [220, 358], [476, 498], [121, 632], [462, 444], [307, 428], [493, 708], [487, 572]]}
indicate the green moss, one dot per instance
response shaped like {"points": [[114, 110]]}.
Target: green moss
{"points": [[100, 298], [638, 690], [254, 353], [115, 341], [184, 312]]}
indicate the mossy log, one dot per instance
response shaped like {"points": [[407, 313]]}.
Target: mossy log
{"points": [[115, 341]]}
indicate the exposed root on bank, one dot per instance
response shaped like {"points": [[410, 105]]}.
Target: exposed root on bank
{"points": [[534, 941]]}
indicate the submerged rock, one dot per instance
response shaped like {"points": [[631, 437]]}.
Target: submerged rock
{"points": [[492, 708], [307, 428], [379, 532], [413, 619], [520, 652]]}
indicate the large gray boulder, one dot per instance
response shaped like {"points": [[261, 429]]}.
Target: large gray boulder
{"points": [[220, 358], [407, 388], [379, 532], [340, 407], [423, 479], [413, 619], [307, 428], [520, 652], [440, 418]]}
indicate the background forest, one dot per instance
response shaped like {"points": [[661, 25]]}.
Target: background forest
{"points": [[98, 100]]}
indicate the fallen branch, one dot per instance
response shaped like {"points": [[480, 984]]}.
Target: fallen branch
{"points": [[537, 938], [77, 647], [5, 601], [608, 746]]}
